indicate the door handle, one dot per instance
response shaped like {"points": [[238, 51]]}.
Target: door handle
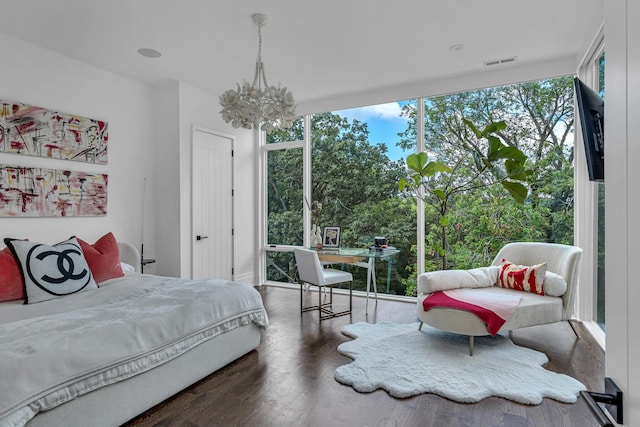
{"points": [[198, 237]]}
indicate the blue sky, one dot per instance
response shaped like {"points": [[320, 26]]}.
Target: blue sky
{"points": [[384, 123]]}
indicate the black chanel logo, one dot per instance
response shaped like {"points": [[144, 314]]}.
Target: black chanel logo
{"points": [[41, 271], [65, 266]]}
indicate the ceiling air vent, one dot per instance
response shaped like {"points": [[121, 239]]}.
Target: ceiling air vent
{"points": [[500, 61]]}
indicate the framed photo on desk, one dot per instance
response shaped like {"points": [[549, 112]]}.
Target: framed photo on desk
{"points": [[331, 237]]}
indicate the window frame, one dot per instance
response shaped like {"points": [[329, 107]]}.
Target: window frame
{"points": [[262, 228], [586, 206]]}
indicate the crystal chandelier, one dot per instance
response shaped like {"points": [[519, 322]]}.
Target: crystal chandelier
{"points": [[258, 104]]}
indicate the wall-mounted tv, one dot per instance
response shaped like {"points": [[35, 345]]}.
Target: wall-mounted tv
{"points": [[591, 109]]}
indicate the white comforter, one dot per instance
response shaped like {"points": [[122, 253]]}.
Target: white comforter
{"points": [[55, 350]]}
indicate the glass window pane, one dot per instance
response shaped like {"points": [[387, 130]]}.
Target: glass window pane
{"points": [[600, 292], [284, 197], [357, 160], [479, 216], [281, 267], [601, 75], [295, 133]]}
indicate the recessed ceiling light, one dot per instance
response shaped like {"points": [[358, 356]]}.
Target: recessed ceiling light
{"points": [[149, 53], [456, 47]]}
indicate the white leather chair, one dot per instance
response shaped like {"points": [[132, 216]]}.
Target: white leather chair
{"points": [[310, 271]]}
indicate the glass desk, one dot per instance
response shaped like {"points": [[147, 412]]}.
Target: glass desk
{"points": [[360, 257]]}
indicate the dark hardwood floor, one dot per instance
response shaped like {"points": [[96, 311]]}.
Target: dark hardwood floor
{"points": [[288, 380]]}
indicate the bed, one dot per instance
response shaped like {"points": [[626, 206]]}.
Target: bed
{"points": [[103, 356]]}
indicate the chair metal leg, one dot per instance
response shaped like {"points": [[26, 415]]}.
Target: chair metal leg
{"points": [[301, 308], [470, 345], [325, 309], [320, 304]]}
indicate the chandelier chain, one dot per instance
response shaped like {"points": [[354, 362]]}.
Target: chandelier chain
{"points": [[259, 43]]}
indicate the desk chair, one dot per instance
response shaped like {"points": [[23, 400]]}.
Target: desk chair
{"points": [[311, 272]]}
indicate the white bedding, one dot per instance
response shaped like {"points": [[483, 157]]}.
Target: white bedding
{"points": [[55, 350]]}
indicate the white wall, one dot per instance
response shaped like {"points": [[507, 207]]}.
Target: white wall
{"points": [[622, 200], [36, 76], [177, 108], [166, 179]]}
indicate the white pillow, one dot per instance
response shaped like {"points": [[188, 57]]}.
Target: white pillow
{"points": [[554, 284], [50, 272], [443, 280], [127, 268]]}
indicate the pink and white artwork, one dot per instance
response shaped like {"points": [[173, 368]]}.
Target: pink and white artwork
{"points": [[42, 192], [36, 131]]}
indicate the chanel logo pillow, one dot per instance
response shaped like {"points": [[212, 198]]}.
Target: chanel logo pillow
{"points": [[51, 271]]}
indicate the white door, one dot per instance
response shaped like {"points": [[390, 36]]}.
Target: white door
{"points": [[212, 229]]}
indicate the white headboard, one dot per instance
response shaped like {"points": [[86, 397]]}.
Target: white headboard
{"points": [[130, 255]]}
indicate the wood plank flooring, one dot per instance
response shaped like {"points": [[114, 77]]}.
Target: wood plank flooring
{"points": [[288, 380]]}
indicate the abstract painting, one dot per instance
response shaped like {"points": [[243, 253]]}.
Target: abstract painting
{"points": [[36, 131], [42, 192]]}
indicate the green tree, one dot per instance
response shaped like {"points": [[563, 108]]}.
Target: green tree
{"points": [[347, 171], [539, 118], [483, 162]]}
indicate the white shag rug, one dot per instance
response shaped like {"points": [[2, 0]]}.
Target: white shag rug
{"points": [[405, 362]]}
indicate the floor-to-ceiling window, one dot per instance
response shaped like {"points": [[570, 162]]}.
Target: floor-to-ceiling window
{"points": [[356, 158], [284, 201]]}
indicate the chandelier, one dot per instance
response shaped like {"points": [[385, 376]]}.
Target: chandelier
{"points": [[258, 104]]}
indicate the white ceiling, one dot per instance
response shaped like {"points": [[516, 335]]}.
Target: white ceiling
{"points": [[318, 49]]}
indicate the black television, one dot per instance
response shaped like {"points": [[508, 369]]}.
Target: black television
{"points": [[591, 110]]}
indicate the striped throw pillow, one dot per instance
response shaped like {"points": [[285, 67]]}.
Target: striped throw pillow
{"points": [[522, 277]]}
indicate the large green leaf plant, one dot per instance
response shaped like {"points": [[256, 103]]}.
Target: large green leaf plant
{"points": [[493, 162]]}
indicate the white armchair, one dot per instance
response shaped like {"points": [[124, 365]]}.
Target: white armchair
{"points": [[533, 309]]}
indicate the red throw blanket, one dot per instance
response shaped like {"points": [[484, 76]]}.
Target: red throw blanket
{"points": [[494, 309]]}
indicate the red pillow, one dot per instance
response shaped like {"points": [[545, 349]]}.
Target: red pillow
{"points": [[103, 258], [11, 287], [522, 278]]}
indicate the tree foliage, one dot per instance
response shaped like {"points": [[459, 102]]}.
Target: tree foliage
{"points": [[478, 166]]}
